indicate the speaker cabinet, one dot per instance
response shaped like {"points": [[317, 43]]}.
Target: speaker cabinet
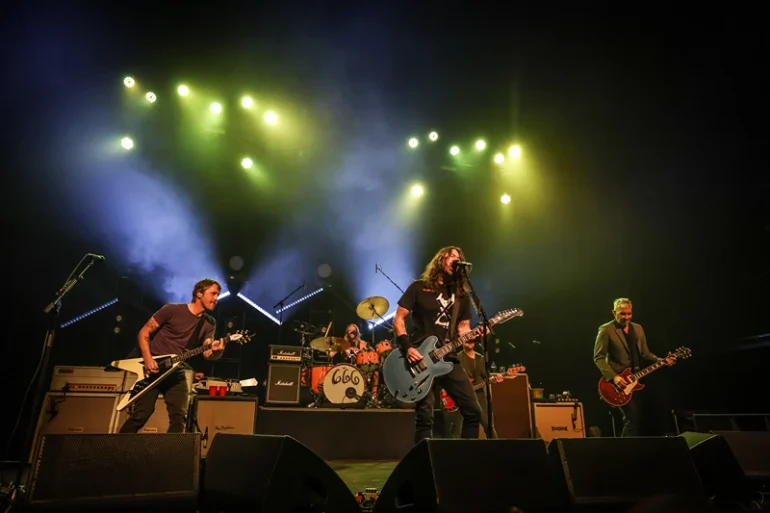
{"points": [[511, 405], [559, 420], [456, 475], [624, 470], [75, 413], [752, 450], [108, 472], [273, 474], [283, 384], [215, 415]]}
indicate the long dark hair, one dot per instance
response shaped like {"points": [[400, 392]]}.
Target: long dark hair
{"points": [[434, 269]]}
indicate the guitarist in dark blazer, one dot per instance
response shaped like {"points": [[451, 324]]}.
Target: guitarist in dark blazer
{"points": [[621, 344]]}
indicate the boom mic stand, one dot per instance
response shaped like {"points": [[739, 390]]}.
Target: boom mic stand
{"points": [[485, 323], [280, 310], [378, 269], [52, 310]]}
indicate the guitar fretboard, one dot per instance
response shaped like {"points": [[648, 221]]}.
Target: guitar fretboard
{"points": [[456, 343]]}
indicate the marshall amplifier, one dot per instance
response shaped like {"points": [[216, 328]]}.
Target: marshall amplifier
{"points": [[283, 384], [287, 354]]}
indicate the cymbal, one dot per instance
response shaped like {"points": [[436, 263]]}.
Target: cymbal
{"points": [[335, 344], [372, 308]]}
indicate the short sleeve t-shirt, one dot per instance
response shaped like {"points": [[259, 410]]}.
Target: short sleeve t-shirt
{"points": [[431, 311], [177, 324]]}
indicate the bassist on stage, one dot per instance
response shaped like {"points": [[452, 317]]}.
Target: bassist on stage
{"points": [[171, 330], [622, 344], [440, 306]]}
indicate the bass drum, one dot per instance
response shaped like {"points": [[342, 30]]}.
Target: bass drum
{"points": [[344, 384]]}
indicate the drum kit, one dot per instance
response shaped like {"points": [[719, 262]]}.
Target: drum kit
{"points": [[341, 374]]}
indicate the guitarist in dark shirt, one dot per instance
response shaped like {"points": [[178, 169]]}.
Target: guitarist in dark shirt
{"points": [[171, 330], [621, 344], [439, 306]]}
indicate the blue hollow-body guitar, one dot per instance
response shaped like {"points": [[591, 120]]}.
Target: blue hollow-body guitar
{"points": [[410, 383]]}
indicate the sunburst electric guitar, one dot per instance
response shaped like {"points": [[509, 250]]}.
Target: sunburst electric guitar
{"points": [[411, 382], [617, 395], [449, 404], [167, 363]]}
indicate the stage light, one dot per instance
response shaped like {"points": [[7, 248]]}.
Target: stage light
{"points": [[413, 142], [433, 136], [216, 107], [127, 143], [481, 145], [90, 312], [247, 102], [417, 190], [271, 117], [247, 163], [499, 158], [454, 150], [129, 82], [514, 151], [183, 90], [505, 199], [150, 97]]}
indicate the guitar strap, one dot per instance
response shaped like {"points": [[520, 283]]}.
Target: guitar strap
{"points": [[196, 333], [453, 320]]}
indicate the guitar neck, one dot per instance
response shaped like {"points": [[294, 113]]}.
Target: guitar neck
{"points": [[192, 352], [647, 370], [458, 342]]}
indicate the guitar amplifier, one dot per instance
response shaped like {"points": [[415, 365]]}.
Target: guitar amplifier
{"points": [[90, 379], [511, 405], [283, 383], [559, 420], [286, 354]]}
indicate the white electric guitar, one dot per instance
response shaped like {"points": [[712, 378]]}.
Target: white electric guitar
{"points": [[167, 363]]}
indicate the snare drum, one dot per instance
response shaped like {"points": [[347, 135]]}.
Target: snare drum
{"points": [[317, 375], [344, 384], [368, 361]]}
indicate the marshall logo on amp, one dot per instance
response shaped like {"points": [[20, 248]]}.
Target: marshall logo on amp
{"points": [[283, 384], [285, 354]]}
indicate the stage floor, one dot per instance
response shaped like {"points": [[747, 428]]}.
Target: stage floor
{"points": [[359, 475]]}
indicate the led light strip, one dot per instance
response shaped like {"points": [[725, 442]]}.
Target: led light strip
{"points": [[376, 323], [293, 303], [90, 312], [261, 310]]}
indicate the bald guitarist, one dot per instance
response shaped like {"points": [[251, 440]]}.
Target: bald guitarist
{"points": [[622, 344]]}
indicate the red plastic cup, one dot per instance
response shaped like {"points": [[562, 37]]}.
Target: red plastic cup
{"points": [[212, 390], [222, 391]]}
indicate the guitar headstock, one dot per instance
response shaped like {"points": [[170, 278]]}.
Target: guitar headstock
{"points": [[682, 352], [514, 370], [240, 336], [505, 315]]}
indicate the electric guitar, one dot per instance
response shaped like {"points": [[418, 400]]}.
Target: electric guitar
{"points": [[618, 395], [166, 364], [411, 382], [449, 404]]}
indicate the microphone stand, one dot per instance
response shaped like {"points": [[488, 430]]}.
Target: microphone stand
{"points": [[377, 268], [52, 311], [280, 310], [484, 322]]}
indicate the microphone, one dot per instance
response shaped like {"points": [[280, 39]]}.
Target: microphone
{"points": [[461, 264], [96, 257]]}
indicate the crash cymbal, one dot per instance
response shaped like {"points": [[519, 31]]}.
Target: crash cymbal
{"points": [[335, 344], [372, 308]]}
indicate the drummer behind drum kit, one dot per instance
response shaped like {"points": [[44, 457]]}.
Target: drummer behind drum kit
{"points": [[339, 374]]}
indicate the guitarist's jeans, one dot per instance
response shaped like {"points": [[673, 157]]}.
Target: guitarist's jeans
{"points": [[632, 417], [459, 388], [176, 392]]}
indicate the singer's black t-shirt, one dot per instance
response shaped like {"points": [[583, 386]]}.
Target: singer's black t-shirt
{"points": [[431, 311]]}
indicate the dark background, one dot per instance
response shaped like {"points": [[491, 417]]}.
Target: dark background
{"points": [[649, 132]]}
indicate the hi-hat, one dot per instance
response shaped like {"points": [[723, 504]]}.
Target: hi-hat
{"points": [[372, 308], [335, 344]]}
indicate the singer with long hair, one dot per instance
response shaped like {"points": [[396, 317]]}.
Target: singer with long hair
{"points": [[440, 306]]}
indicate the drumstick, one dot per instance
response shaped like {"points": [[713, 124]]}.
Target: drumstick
{"points": [[328, 329]]}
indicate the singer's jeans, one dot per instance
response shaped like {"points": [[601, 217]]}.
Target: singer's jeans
{"points": [[459, 388], [176, 392]]}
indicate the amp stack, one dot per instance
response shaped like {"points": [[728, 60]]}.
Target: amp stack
{"points": [[284, 375]]}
